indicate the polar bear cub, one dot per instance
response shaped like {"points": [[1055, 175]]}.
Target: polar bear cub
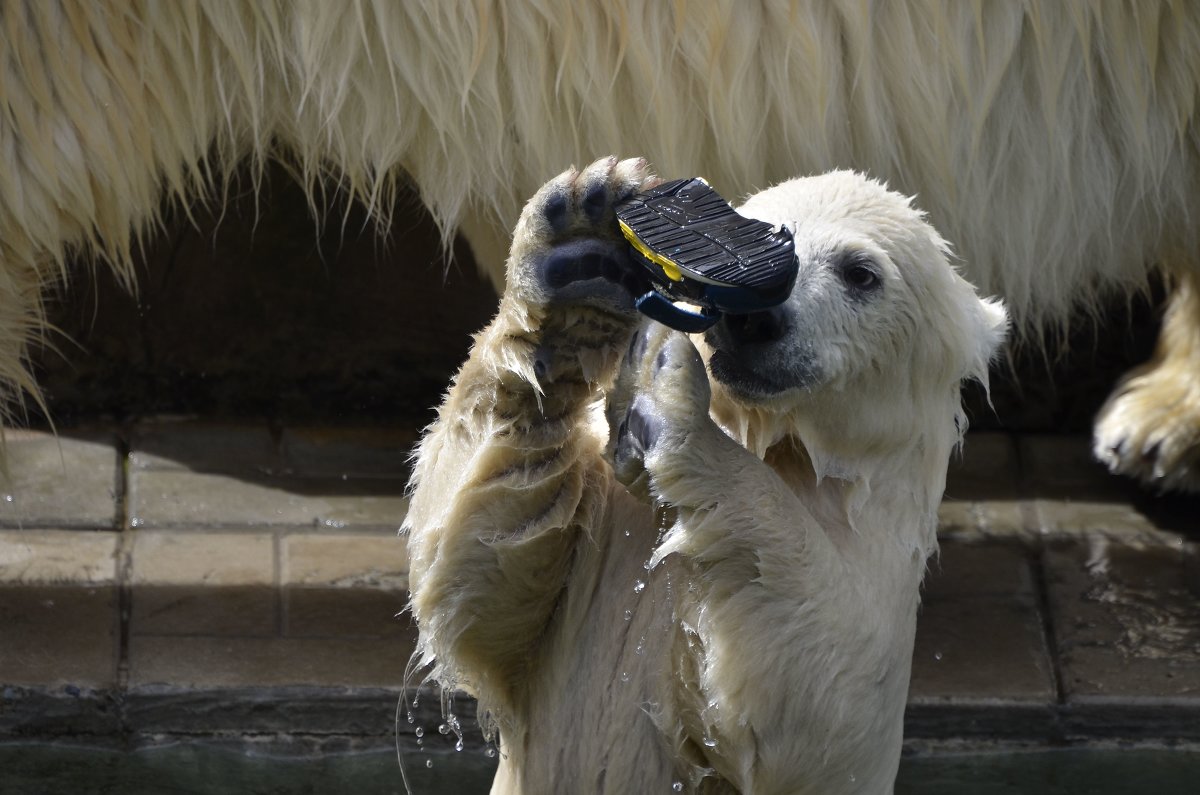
{"points": [[666, 564]]}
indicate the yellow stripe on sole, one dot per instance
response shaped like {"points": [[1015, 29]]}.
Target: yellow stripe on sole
{"points": [[669, 268]]}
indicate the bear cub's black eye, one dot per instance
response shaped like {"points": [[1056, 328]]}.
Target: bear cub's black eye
{"points": [[859, 273], [862, 277]]}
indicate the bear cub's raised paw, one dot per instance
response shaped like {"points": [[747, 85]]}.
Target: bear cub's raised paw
{"points": [[571, 279], [567, 250]]}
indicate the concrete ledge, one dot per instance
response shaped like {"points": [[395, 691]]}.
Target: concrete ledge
{"points": [[59, 712], [310, 711], [984, 719], [246, 580]]}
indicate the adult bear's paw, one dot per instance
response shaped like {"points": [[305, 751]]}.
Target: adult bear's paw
{"points": [[1150, 426]]}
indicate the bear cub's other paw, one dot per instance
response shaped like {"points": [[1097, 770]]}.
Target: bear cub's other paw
{"points": [[567, 249], [658, 406]]}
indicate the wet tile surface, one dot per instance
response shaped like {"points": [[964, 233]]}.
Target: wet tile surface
{"points": [[997, 570], [962, 659], [1126, 620]]}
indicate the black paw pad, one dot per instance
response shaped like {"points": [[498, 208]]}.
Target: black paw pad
{"points": [[590, 270], [637, 347], [567, 265], [556, 211], [543, 359], [661, 361], [595, 202], [641, 426]]}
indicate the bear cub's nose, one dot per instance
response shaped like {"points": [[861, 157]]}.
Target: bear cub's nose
{"points": [[768, 325]]}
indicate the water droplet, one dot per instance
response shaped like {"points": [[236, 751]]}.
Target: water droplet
{"points": [[444, 729], [412, 718], [628, 615], [677, 786], [937, 655], [627, 532], [710, 742], [428, 763], [489, 752], [8, 498], [458, 746], [420, 731], [639, 586], [624, 676], [852, 778]]}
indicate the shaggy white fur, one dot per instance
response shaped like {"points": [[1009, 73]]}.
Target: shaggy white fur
{"points": [[1055, 141], [754, 632]]}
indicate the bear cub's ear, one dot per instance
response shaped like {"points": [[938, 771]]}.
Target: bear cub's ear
{"points": [[991, 331]]}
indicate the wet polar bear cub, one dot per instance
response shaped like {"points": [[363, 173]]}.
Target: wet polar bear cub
{"points": [[658, 582]]}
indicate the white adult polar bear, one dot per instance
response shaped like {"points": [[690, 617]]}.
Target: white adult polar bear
{"points": [[1056, 142], [762, 643]]}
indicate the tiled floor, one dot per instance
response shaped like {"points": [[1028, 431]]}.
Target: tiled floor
{"points": [[175, 578]]}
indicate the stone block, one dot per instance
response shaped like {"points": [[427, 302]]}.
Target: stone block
{"points": [[204, 447], [33, 557], [336, 453], [981, 666], [977, 650], [203, 583], [64, 481], [986, 469], [59, 637], [183, 499], [183, 663], [343, 584]]}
